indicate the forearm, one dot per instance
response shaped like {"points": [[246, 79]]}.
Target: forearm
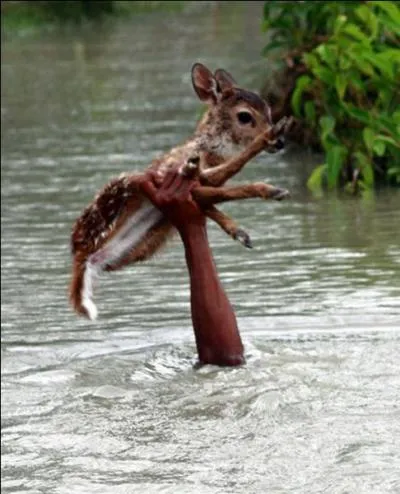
{"points": [[217, 335], [214, 322], [199, 258]]}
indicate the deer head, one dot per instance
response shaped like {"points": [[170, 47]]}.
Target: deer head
{"points": [[234, 116]]}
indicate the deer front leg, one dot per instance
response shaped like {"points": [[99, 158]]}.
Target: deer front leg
{"points": [[228, 225], [220, 174], [207, 196]]}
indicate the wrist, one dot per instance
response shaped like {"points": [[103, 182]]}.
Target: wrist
{"points": [[191, 233], [197, 249]]}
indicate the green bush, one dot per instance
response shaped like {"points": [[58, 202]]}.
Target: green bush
{"points": [[348, 91]]}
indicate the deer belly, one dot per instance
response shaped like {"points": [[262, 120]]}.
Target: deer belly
{"points": [[129, 234]]}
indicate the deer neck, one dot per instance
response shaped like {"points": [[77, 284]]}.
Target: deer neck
{"points": [[200, 145], [214, 143]]}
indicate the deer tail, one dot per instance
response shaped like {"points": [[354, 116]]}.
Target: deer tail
{"points": [[84, 275]]}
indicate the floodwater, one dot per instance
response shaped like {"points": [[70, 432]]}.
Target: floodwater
{"points": [[115, 406]]}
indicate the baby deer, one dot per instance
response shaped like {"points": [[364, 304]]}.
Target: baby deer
{"points": [[121, 226]]}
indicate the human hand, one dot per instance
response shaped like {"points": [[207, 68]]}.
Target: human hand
{"points": [[172, 196]]}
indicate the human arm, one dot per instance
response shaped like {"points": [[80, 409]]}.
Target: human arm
{"points": [[216, 332]]}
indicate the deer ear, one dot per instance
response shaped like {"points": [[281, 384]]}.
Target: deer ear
{"points": [[204, 83], [224, 79]]}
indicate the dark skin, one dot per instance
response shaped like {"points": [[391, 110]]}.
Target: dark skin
{"points": [[214, 322]]}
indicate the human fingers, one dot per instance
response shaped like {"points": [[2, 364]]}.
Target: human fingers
{"points": [[185, 188], [176, 186], [149, 188], [168, 180]]}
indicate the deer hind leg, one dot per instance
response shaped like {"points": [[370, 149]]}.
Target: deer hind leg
{"points": [[207, 196], [229, 226]]}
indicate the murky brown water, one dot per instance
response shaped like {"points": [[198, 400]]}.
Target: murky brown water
{"points": [[115, 406]]}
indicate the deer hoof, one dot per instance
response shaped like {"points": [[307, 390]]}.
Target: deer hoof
{"points": [[190, 168], [279, 194], [243, 238]]}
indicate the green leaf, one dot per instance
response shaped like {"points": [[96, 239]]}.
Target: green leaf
{"points": [[368, 195], [324, 74], [388, 140], [315, 181], [344, 62], [368, 175], [369, 137], [276, 44], [381, 63], [327, 124], [339, 23], [355, 32], [303, 83], [283, 23], [311, 60], [366, 168], [310, 113], [341, 84], [392, 54], [390, 8], [363, 116], [366, 14], [328, 54], [394, 171], [265, 25], [335, 159], [379, 148], [358, 59]]}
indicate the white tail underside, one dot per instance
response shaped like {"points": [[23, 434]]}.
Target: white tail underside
{"points": [[130, 234]]}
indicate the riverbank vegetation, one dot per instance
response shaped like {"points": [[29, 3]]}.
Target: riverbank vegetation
{"points": [[337, 67]]}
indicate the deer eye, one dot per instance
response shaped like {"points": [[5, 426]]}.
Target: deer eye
{"points": [[245, 117]]}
